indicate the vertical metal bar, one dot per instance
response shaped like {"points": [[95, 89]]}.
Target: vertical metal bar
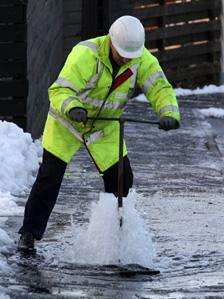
{"points": [[120, 164]]}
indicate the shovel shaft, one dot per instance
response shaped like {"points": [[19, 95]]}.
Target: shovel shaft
{"points": [[120, 165]]}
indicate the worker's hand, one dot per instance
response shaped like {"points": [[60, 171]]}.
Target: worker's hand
{"points": [[168, 123], [78, 115]]}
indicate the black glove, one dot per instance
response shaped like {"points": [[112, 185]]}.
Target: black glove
{"points": [[168, 123], [78, 115]]}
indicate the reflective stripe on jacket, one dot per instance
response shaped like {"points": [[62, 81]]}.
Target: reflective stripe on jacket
{"points": [[85, 81]]}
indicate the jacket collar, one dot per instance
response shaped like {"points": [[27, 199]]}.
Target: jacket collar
{"points": [[104, 51], [103, 54]]}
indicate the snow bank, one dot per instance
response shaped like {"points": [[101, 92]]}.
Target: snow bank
{"points": [[185, 92], [211, 112], [19, 158], [3, 293], [5, 243], [209, 89], [8, 206]]}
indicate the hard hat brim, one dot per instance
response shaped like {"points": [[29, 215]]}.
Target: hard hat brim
{"points": [[126, 54]]}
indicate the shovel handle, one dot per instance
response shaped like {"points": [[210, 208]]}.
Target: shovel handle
{"points": [[125, 119]]}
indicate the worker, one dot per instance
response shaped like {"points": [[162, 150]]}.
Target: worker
{"points": [[97, 79]]}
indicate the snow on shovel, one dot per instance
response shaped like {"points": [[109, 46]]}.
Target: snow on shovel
{"points": [[121, 164]]}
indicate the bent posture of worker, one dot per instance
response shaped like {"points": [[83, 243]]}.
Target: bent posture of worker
{"points": [[98, 78]]}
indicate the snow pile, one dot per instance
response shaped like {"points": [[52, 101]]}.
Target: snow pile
{"points": [[209, 89], [8, 206], [185, 92], [5, 242], [211, 112], [19, 158], [103, 242], [3, 293]]}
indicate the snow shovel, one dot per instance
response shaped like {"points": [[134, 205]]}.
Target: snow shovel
{"points": [[120, 163], [128, 270]]}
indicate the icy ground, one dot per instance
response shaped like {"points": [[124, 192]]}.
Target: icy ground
{"points": [[179, 184]]}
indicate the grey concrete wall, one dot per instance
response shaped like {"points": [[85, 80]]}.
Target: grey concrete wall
{"points": [[44, 57]]}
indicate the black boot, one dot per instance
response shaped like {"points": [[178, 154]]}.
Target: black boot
{"points": [[26, 243]]}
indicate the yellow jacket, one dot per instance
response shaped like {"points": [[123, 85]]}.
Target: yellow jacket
{"points": [[85, 81]]}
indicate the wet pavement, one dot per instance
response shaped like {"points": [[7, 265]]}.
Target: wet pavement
{"points": [[180, 177]]}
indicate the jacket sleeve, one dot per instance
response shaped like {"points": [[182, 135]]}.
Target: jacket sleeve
{"points": [[156, 87], [64, 93]]}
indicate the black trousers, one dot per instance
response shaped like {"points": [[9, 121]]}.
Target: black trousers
{"points": [[45, 191]]}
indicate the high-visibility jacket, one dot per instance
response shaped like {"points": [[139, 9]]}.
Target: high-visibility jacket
{"points": [[85, 81]]}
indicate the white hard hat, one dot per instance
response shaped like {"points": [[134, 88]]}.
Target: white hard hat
{"points": [[128, 36]]}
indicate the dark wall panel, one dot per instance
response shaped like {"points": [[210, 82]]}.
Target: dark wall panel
{"points": [[13, 62]]}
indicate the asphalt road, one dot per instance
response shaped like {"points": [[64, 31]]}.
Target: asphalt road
{"points": [[179, 177]]}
